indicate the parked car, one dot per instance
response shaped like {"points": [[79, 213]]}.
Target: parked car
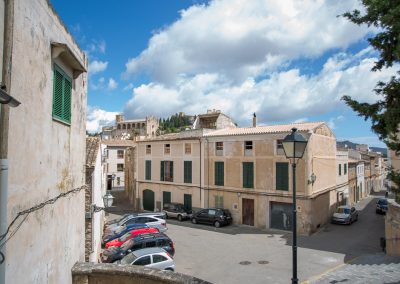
{"points": [[150, 220], [138, 242], [150, 257], [126, 220], [117, 220], [215, 216], [122, 231], [345, 215], [118, 242], [176, 210], [381, 206]]}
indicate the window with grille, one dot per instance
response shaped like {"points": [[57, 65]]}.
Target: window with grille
{"points": [[120, 154], [167, 171], [167, 149], [148, 149], [282, 176], [248, 148], [248, 174], [219, 173], [219, 148], [62, 92], [188, 148], [187, 171]]}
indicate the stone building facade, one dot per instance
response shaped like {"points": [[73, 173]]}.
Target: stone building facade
{"points": [[46, 72]]}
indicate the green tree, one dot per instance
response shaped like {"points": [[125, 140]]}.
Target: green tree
{"points": [[385, 113]]}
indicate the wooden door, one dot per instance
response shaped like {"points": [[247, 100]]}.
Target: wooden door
{"points": [[248, 212]]}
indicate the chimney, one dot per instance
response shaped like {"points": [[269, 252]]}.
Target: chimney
{"points": [[254, 120]]}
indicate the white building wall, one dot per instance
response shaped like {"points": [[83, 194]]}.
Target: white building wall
{"points": [[50, 240], [113, 162], [360, 179]]}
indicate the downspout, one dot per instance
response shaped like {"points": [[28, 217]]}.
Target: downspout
{"points": [[4, 125], [200, 170]]}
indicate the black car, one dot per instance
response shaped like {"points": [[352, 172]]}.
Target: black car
{"points": [[176, 210], [381, 206], [214, 216], [147, 240]]}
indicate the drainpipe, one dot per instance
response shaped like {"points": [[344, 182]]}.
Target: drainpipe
{"points": [[4, 119]]}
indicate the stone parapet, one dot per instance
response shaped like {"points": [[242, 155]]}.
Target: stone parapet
{"points": [[392, 229]]}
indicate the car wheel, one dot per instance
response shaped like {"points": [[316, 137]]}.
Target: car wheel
{"points": [[194, 221], [217, 224], [180, 218]]}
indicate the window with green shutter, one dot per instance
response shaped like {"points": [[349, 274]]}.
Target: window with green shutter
{"points": [[345, 169], [219, 173], [148, 170], [248, 174], [62, 91], [187, 171], [167, 171], [282, 176], [340, 169]]}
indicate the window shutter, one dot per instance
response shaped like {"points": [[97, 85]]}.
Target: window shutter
{"points": [[148, 170], [219, 173], [67, 100], [282, 176], [187, 171], [57, 94], [248, 175], [171, 170], [162, 171], [340, 169]]}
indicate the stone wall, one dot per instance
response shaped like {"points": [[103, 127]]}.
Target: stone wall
{"points": [[130, 180], [104, 273], [392, 229], [88, 221]]}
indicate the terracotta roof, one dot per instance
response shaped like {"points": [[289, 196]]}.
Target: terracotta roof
{"points": [[304, 127], [127, 143], [92, 146]]}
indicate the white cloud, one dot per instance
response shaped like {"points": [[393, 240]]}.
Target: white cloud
{"points": [[238, 39], [97, 66], [97, 118], [333, 120], [128, 87], [112, 84], [96, 46], [282, 96]]}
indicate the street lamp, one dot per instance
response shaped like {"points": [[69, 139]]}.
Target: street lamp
{"points": [[108, 199], [294, 146]]}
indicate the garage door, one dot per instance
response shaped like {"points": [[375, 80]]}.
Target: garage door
{"points": [[148, 200], [281, 216]]}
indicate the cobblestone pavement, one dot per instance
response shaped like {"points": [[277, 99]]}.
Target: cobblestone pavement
{"points": [[374, 269]]}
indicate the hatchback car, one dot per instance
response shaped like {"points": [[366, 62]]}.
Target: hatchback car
{"points": [[138, 242], [345, 215], [150, 257], [176, 210], [214, 216], [118, 242], [381, 206]]}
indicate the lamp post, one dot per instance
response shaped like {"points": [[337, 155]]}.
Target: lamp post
{"points": [[294, 146]]}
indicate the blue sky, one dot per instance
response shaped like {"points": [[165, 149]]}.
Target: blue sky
{"points": [[287, 61]]}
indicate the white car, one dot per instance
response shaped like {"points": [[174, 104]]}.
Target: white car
{"points": [[138, 218], [150, 257]]}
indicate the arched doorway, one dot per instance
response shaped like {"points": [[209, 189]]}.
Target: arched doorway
{"points": [[148, 200]]}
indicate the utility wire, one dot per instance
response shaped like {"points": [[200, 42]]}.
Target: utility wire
{"points": [[26, 212]]}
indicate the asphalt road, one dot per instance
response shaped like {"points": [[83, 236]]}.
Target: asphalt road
{"points": [[242, 254]]}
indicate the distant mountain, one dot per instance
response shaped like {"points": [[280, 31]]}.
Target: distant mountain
{"points": [[351, 145]]}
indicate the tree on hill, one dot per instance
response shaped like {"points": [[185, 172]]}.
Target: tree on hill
{"points": [[385, 113], [174, 123]]}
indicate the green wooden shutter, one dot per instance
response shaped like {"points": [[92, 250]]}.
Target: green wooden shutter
{"points": [[58, 94], [162, 171], [166, 197], [340, 169], [282, 176], [148, 170], [171, 170], [248, 174], [187, 171], [219, 201], [67, 100], [219, 173]]}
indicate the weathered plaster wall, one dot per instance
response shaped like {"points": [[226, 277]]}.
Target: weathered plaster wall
{"points": [[113, 160], [46, 157], [392, 229], [1, 32]]}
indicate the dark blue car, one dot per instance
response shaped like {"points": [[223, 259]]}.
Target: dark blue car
{"points": [[124, 229]]}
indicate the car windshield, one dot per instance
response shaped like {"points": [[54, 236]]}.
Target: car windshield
{"points": [[124, 237], [127, 245], [383, 202], [128, 259], [343, 210], [123, 220]]}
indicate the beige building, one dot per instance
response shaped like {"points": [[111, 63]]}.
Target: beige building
{"points": [[130, 129], [342, 177], [114, 162], [213, 119], [45, 145], [244, 170]]}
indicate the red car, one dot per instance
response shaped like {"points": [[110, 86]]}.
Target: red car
{"points": [[118, 242]]}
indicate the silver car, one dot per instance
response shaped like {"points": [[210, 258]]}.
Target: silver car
{"points": [[135, 218], [345, 215], [150, 257], [176, 210]]}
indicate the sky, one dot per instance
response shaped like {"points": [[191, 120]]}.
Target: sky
{"points": [[287, 61]]}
